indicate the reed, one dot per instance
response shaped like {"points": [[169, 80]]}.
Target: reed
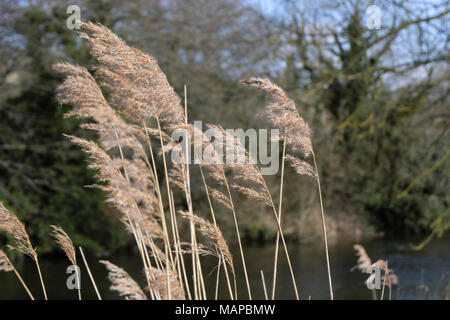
{"points": [[65, 243], [123, 283], [7, 266], [141, 94], [10, 224], [364, 262], [282, 113], [134, 127]]}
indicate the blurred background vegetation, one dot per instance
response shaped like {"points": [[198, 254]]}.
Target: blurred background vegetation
{"points": [[377, 101]]}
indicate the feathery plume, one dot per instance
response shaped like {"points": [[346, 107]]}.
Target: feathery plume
{"points": [[16, 229], [158, 283], [138, 86], [187, 247], [123, 283], [301, 167], [82, 91], [65, 243], [220, 197], [213, 233], [283, 114], [21, 241], [244, 171], [5, 264], [120, 193], [364, 261]]}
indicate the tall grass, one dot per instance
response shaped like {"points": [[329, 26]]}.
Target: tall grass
{"points": [[134, 127]]}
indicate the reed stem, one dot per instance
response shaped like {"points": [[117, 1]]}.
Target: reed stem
{"points": [[277, 242], [21, 281], [90, 274], [324, 227], [40, 277]]}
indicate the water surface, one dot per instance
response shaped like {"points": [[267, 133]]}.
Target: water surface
{"points": [[422, 274]]}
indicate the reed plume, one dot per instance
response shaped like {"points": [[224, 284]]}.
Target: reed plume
{"points": [[214, 234], [301, 167], [246, 179], [119, 192], [364, 261], [158, 284], [140, 92], [138, 86], [5, 264], [282, 113], [21, 240], [65, 243], [123, 283], [16, 229]]}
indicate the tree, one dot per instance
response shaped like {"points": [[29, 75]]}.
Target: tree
{"points": [[378, 88]]}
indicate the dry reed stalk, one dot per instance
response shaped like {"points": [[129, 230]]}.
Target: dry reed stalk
{"points": [[179, 176], [180, 173], [178, 246], [7, 266], [282, 113], [194, 264], [225, 202], [239, 238], [216, 295], [247, 173], [123, 283], [277, 241], [142, 246], [216, 170], [90, 274], [264, 285], [179, 258], [21, 241], [65, 243]]}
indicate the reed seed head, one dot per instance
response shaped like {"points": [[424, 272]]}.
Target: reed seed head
{"points": [[65, 243], [16, 229], [5, 264], [123, 283]]}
